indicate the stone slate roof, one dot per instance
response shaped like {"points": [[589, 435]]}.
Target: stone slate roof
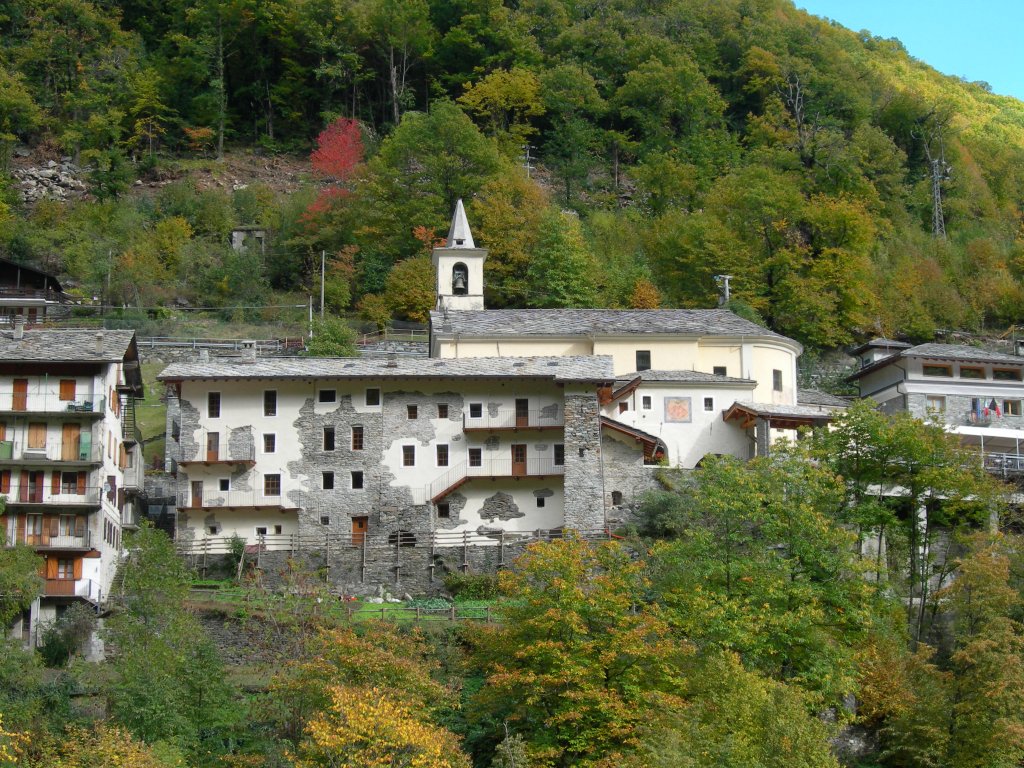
{"points": [[64, 346], [607, 322], [688, 377], [773, 411], [961, 352], [878, 341], [816, 397], [588, 368]]}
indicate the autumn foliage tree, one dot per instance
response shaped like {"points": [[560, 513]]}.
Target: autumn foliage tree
{"points": [[339, 149]]}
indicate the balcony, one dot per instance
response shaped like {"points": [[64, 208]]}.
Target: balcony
{"points": [[512, 419], [1005, 464], [215, 499], [69, 452], [84, 588], [41, 496], [50, 402], [40, 294], [214, 448], [492, 468], [43, 542]]}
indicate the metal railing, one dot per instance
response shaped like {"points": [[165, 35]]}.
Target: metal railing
{"points": [[238, 345], [392, 334], [503, 467], [1005, 463], [510, 418], [41, 541], [294, 542], [42, 494], [50, 401], [217, 498], [85, 588], [51, 450]]}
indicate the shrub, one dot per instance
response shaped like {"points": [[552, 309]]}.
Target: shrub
{"points": [[472, 586]]}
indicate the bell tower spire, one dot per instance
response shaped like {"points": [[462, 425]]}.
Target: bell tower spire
{"points": [[459, 266]]}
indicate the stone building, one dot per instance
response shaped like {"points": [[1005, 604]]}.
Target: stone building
{"points": [[70, 458]]}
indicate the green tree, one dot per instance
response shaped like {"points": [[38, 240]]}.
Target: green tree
{"points": [[561, 271], [332, 337], [20, 583], [504, 101]]}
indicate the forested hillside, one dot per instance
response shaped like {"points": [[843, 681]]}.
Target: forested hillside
{"points": [[671, 140]]}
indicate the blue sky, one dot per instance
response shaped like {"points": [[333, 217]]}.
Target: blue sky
{"points": [[979, 40]]}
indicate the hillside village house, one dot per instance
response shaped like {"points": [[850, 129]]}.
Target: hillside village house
{"points": [[519, 421], [31, 293], [70, 459], [975, 393]]}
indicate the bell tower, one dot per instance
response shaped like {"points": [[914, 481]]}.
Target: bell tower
{"points": [[459, 267]]}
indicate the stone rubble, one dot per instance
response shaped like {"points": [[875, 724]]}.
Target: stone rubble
{"points": [[52, 181]]}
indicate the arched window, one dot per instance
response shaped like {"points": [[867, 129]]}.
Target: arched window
{"points": [[460, 279]]}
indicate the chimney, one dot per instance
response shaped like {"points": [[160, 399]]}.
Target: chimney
{"points": [[392, 360], [19, 327], [204, 355], [99, 342]]}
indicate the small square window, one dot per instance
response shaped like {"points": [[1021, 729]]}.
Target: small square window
{"points": [[720, 370], [270, 402], [559, 454], [328, 438], [442, 455], [936, 404], [213, 405], [442, 410], [327, 481], [261, 531], [272, 485], [412, 411], [623, 407], [540, 502], [325, 519], [777, 380], [224, 484], [357, 479], [444, 511], [643, 359], [269, 443], [212, 530], [373, 397], [1011, 408], [646, 402], [278, 530], [476, 457], [357, 438], [327, 396], [709, 403], [476, 410], [408, 455]]}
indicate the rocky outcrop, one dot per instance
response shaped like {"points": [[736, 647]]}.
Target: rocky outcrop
{"points": [[52, 181]]}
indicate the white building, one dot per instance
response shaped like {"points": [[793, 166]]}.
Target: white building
{"points": [[70, 459]]}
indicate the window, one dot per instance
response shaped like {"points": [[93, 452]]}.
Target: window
{"points": [[269, 443], [65, 569], [69, 482], [328, 438], [709, 403], [213, 405], [37, 435], [67, 525], [1006, 374], [616, 498], [540, 502], [444, 511], [643, 359], [327, 481], [212, 530], [937, 370], [777, 380], [646, 402], [1011, 408], [327, 396], [373, 397], [720, 370], [278, 530], [271, 485], [442, 410], [325, 519], [412, 411], [357, 479], [261, 531], [270, 402], [67, 389], [559, 454], [408, 455], [476, 457], [936, 404], [224, 484], [442, 455], [476, 410], [971, 373], [623, 407], [357, 437]]}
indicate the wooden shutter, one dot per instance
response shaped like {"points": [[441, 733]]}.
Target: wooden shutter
{"points": [[37, 435], [51, 568], [67, 389], [53, 523], [81, 483], [55, 482], [5, 481], [3, 431], [23, 494], [122, 459], [20, 528], [80, 526], [77, 568]]}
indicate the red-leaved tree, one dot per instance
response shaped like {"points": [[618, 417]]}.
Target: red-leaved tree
{"points": [[339, 149]]}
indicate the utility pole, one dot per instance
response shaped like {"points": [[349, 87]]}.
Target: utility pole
{"points": [[527, 159], [722, 281]]}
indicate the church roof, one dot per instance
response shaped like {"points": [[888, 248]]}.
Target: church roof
{"points": [[459, 234], [604, 322]]}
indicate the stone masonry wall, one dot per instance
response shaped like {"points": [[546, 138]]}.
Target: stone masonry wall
{"points": [[958, 408], [625, 473], [584, 487]]}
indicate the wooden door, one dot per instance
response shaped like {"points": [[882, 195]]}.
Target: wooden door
{"points": [[522, 412], [518, 461], [197, 493], [20, 395], [36, 436], [70, 442], [33, 530], [359, 530], [67, 389], [212, 446]]}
